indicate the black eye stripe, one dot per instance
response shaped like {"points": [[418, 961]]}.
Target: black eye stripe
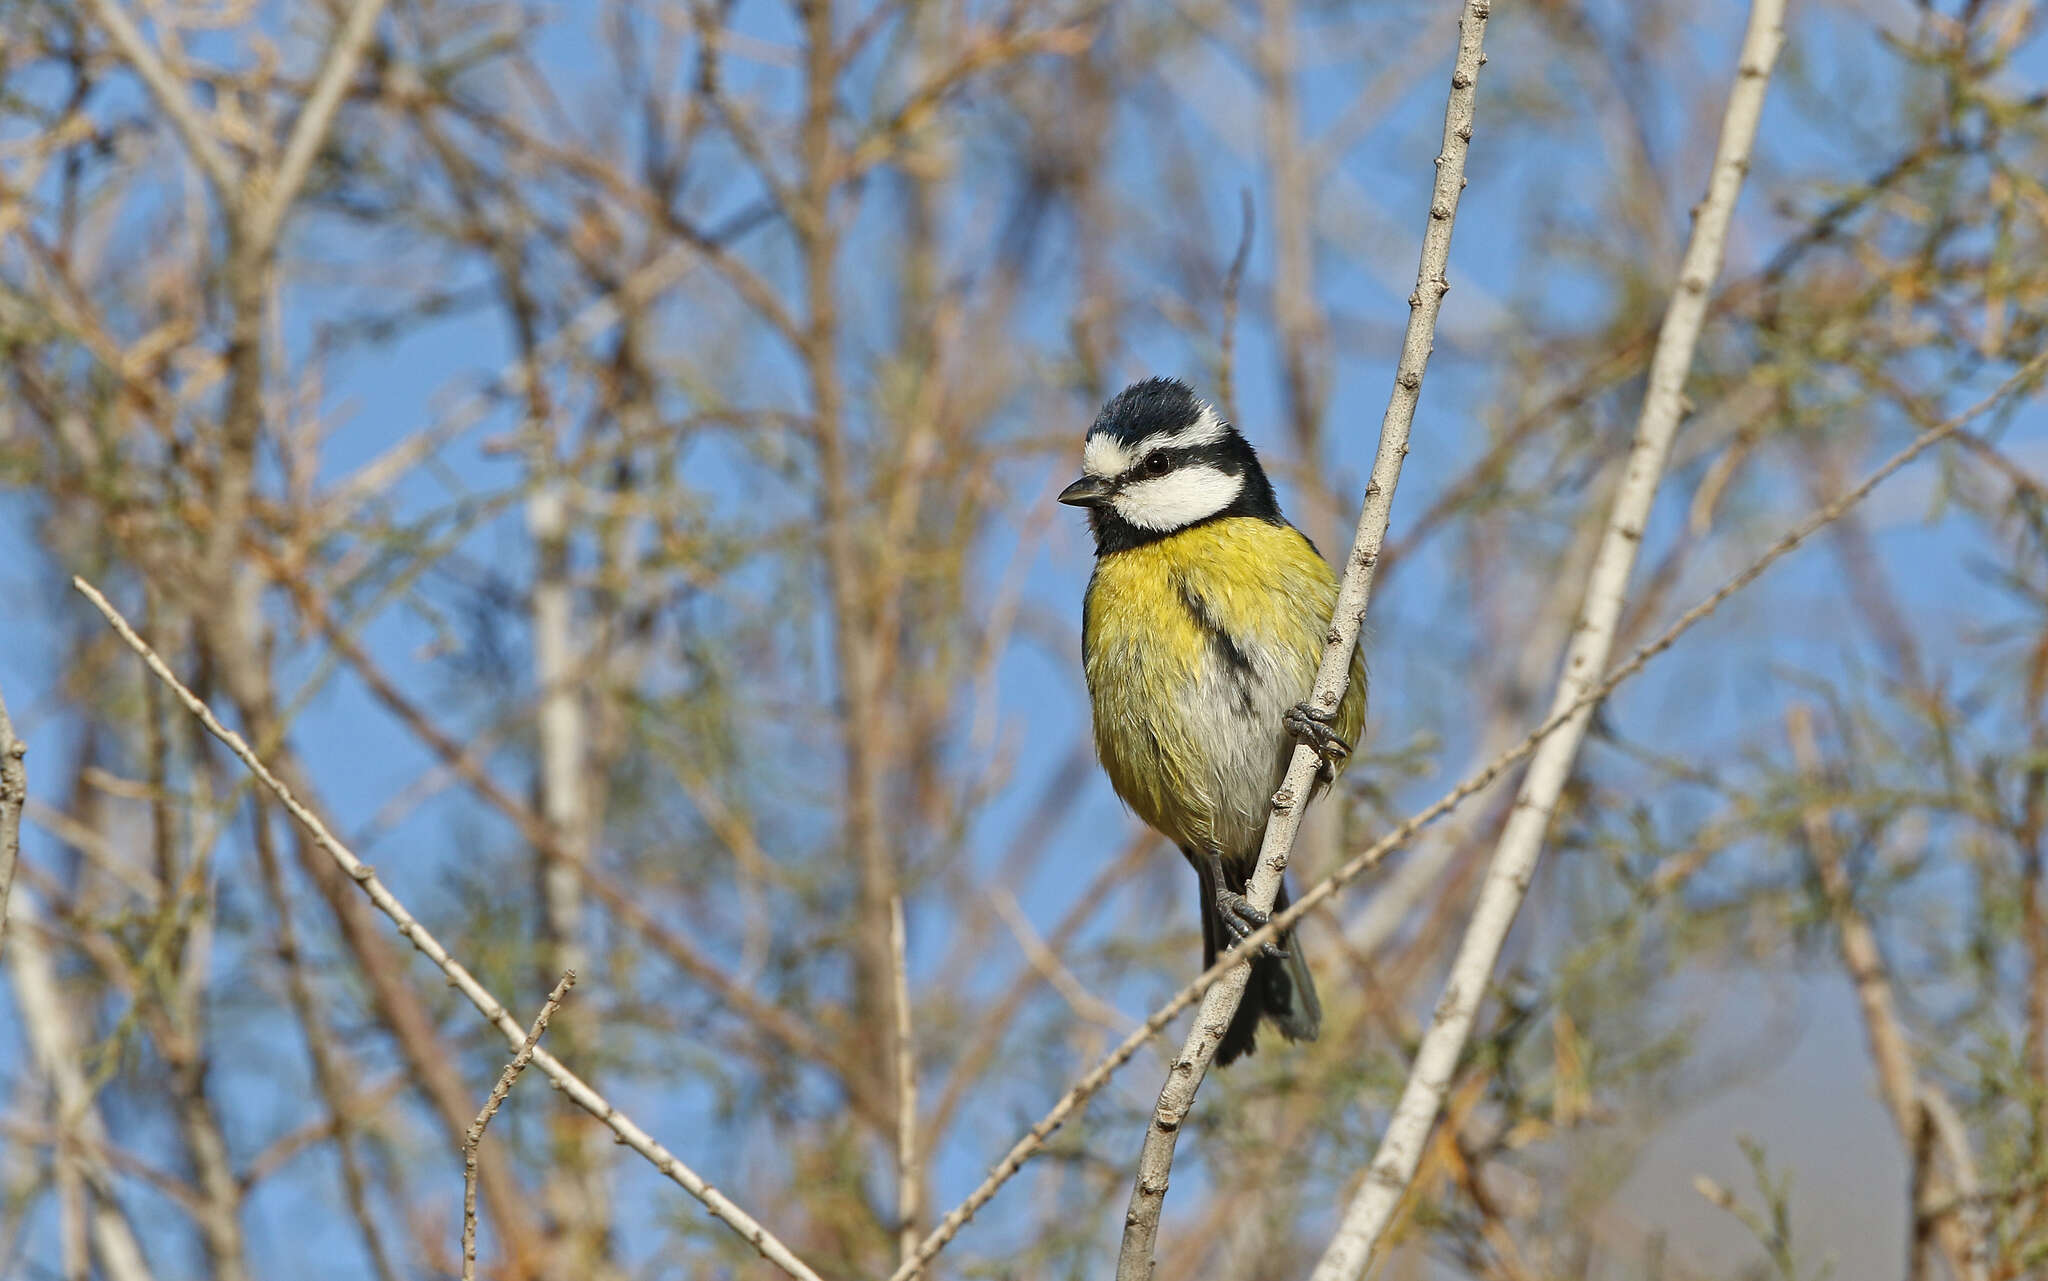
{"points": [[1213, 455]]}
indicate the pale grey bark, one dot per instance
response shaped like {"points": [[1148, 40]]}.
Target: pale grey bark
{"points": [[909, 1171], [1514, 860], [474, 1139], [13, 797], [459, 976], [58, 1050], [1034, 1140], [1177, 1097]]}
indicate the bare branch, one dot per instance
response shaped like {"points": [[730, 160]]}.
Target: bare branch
{"points": [[1047, 964], [909, 1175], [175, 101], [1913, 1103], [275, 201], [475, 1137], [1521, 842], [81, 1132], [493, 1010], [1478, 781], [13, 795], [1967, 1208], [1177, 1097], [331, 1073], [1233, 285]]}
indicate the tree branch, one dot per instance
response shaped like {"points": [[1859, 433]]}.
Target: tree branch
{"points": [[1521, 842], [81, 1133], [909, 1176], [1478, 781], [475, 1137], [13, 796], [267, 216], [330, 1073], [1913, 1103], [175, 101], [493, 1010], [1184, 1078], [1966, 1209]]}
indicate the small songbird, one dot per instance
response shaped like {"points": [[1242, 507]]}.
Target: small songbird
{"points": [[1202, 630]]}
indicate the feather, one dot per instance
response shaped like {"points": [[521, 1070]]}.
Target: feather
{"points": [[1195, 646]]}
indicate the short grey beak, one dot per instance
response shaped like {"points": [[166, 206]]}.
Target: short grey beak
{"points": [[1089, 491]]}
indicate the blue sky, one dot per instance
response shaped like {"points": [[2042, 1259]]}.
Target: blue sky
{"points": [[1423, 649]]}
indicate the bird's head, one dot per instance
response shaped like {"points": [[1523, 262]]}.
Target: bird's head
{"points": [[1158, 460]]}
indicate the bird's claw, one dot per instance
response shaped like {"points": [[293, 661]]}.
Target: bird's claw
{"points": [[1312, 726], [1240, 918]]}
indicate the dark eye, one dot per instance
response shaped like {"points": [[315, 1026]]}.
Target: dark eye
{"points": [[1157, 465]]}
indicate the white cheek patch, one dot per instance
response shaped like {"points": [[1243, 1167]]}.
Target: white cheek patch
{"points": [[1103, 456], [1179, 498]]}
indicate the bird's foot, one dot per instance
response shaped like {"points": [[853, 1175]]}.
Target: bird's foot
{"points": [[1240, 918], [1312, 726]]}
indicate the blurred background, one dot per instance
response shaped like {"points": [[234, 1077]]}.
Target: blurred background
{"points": [[602, 453]]}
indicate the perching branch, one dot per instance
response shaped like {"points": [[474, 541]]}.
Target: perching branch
{"points": [[493, 1010], [1521, 841], [2020, 382], [1177, 1097], [472, 1140]]}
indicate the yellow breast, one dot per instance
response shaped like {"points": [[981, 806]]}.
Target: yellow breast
{"points": [[1195, 645]]}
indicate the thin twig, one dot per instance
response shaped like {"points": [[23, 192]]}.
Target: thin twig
{"points": [[1759, 1225], [1233, 287], [475, 1137], [80, 1132], [267, 216], [13, 795], [1479, 780], [493, 1010], [1052, 969], [331, 1073], [1967, 1204], [1913, 1103], [909, 1177], [1890, 1054], [1521, 842], [1177, 1097], [173, 98], [463, 760]]}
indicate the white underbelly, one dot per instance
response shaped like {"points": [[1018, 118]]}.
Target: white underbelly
{"points": [[1244, 747]]}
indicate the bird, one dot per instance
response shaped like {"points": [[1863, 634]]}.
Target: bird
{"points": [[1201, 632]]}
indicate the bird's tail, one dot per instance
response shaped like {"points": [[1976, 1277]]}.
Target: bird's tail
{"points": [[1280, 991]]}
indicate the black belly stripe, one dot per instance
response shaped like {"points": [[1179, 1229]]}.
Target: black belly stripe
{"points": [[1225, 645]]}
